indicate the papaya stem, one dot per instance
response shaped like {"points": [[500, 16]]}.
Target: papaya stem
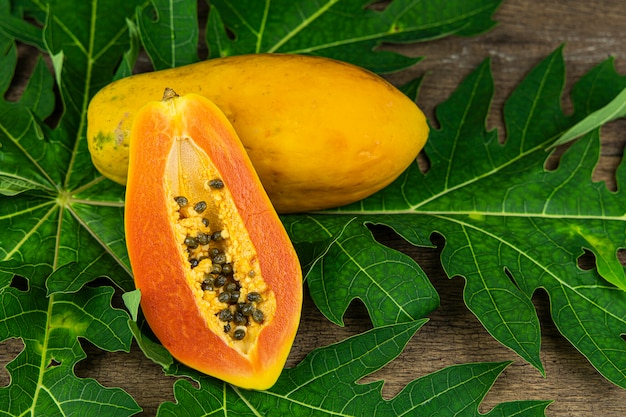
{"points": [[169, 94]]}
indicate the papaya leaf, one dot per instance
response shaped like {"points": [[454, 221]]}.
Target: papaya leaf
{"points": [[347, 30], [44, 225], [511, 226], [149, 344], [14, 25], [42, 379], [131, 301], [61, 203], [61, 221], [392, 287], [612, 111], [326, 383], [173, 23], [146, 340]]}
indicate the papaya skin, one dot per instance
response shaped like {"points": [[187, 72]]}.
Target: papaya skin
{"points": [[320, 133], [175, 142]]}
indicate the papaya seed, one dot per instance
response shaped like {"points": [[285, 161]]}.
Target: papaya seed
{"points": [[208, 283], [257, 315], [200, 206], [220, 280], [220, 258], [227, 269], [203, 238], [191, 242], [247, 309], [181, 201], [216, 184], [226, 315], [224, 297], [239, 334], [239, 319], [254, 296], [234, 296]]}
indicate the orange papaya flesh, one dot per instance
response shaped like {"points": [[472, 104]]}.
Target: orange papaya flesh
{"points": [[221, 285]]}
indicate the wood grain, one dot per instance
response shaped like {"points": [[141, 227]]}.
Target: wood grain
{"points": [[527, 32]]}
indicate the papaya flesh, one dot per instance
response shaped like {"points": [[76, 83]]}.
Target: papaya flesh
{"points": [[220, 282], [320, 133]]}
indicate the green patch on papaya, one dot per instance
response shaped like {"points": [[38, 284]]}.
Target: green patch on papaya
{"points": [[102, 139]]}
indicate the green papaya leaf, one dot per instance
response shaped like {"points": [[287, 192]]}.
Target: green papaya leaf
{"points": [[14, 25], [42, 378], [612, 111], [131, 301], [149, 344], [141, 331], [173, 23], [60, 202], [62, 221], [326, 383], [511, 226], [347, 30], [389, 283]]}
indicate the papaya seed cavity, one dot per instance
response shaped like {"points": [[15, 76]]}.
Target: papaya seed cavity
{"points": [[221, 262], [241, 303]]}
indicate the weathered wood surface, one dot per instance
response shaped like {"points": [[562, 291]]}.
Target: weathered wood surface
{"points": [[528, 31]]}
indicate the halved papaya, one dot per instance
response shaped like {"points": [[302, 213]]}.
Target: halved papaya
{"points": [[221, 285]]}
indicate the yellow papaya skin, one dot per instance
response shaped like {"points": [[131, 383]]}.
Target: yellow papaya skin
{"points": [[320, 133]]}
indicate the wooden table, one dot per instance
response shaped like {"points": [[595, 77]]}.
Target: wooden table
{"points": [[528, 31]]}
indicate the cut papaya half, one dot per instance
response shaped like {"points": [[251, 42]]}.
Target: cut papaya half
{"points": [[220, 282]]}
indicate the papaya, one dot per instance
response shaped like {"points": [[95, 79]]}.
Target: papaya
{"points": [[220, 282], [320, 133]]}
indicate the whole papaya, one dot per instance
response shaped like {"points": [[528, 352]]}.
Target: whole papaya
{"points": [[320, 133]]}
